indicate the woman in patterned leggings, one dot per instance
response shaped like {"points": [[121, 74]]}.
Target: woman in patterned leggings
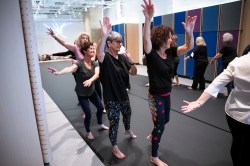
{"points": [[160, 64], [114, 75]]}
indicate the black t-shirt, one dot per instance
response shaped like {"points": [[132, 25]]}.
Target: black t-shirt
{"points": [[82, 74], [200, 53], [114, 76], [160, 71], [228, 52]]}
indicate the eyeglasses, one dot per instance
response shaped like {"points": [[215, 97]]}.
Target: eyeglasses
{"points": [[118, 41]]}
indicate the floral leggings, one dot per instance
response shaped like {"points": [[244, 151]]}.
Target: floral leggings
{"points": [[160, 109], [113, 109]]}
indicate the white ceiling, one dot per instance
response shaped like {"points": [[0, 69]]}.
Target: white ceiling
{"points": [[73, 9]]}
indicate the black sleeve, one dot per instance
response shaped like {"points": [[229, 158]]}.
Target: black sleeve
{"points": [[246, 50], [64, 53]]}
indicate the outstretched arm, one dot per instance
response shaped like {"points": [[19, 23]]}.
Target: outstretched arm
{"points": [[189, 28], [62, 42], [105, 31], [213, 89], [88, 82], [191, 106], [148, 11], [66, 70], [218, 55]]}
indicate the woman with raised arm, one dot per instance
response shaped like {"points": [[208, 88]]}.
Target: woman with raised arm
{"points": [[86, 71], [237, 105], [83, 37], [114, 74], [160, 65]]}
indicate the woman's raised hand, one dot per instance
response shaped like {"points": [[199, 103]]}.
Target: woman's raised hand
{"points": [[50, 32], [189, 24], [105, 26], [148, 9]]}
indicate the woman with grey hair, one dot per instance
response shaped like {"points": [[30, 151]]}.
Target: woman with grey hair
{"points": [[228, 52], [114, 74]]}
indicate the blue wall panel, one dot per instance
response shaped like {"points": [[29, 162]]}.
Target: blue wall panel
{"points": [[178, 19], [157, 21], [122, 32], [210, 18], [211, 41], [180, 41]]}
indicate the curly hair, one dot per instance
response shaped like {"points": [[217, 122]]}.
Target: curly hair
{"points": [[85, 46], [159, 35], [78, 40]]}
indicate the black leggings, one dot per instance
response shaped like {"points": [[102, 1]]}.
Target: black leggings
{"points": [[241, 141], [160, 110], [84, 102]]}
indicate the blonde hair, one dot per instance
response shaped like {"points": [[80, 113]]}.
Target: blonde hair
{"points": [[78, 40], [200, 41]]}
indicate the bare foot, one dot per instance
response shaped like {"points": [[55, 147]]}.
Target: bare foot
{"points": [[157, 161], [118, 153], [175, 84], [129, 132], [149, 137], [102, 126], [83, 115], [90, 136]]}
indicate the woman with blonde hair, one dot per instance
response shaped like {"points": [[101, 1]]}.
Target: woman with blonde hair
{"points": [[81, 39], [200, 64]]}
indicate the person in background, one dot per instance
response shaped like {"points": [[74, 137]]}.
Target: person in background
{"points": [[176, 61], [114, 74], [160, 65], [237, 106], [228, 52], [86, 71], [66, 54], [199, 55], [83, 37]]}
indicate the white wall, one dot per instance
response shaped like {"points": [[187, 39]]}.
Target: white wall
{"points": [[19, 141], [66, 30]]}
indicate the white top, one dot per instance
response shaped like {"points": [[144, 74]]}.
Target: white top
{"points": [[238, 102]]}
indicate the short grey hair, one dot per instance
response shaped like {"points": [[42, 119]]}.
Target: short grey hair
{"points": [[227, 37], [114, 36]]}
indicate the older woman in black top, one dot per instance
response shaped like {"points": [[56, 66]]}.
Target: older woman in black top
{"points": [[114, 75], [200, 64], [228, 52]]}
